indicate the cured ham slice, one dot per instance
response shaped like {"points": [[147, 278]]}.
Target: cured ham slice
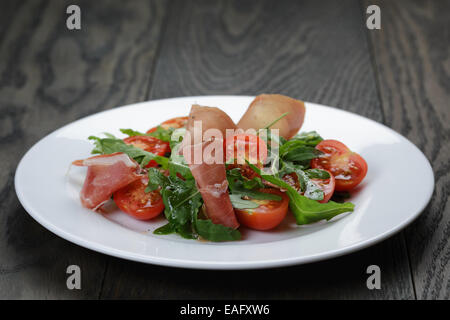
{"points": [[213, 186], [209, 174], [211, 118], [105, 175], [266, 108]]}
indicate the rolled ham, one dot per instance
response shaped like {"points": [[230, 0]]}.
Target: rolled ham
{"points": [[212, 183], [266, 108], [211, 118], [105, 175], [209, 174]]}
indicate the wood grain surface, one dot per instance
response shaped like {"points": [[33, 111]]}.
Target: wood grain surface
{"points": [[50, 76], [139, 50], [412, 60]]}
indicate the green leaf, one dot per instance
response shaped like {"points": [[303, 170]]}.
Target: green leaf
{"points": [[306, 210], [301, 148], [216, 232], [165, 229], [296, 152], [317, 174], [160, 133], [177, 137], [311, 138], [98, 148], [112, 145], [253, 183], [155, 180], [310, 189], [132, 133], [239, 203], [177, 191], [182, 202], [239, 185], [178, 164]]}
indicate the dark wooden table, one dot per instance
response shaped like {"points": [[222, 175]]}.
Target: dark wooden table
{"points": [[131, 51]]}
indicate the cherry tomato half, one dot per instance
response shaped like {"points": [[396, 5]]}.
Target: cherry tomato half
{"points": [[243, 147], [134, 201], [150, 144], [347, 167], [326, 185], [175, 123], [268, 215]]}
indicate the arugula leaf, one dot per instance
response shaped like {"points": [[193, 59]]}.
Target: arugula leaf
{"points": [[310, 189], [306, 210], [160, 133], [241, 186], [155, 179], [215, 232], [181, 200], [178, 164], [253, 183], [295, 151], [165, 229], [132, 133], [112, 145], [311, 138], [317, 174], [301, 148], [239, 203]]}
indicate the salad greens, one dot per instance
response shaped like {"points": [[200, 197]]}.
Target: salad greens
{"points": [[111, 145], [183, 202], [160, 133], [304, 209]]}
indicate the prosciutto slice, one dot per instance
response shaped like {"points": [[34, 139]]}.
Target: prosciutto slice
{"points": [[210, 174], [105, 175], [212, 183], [266, 108], [210, 118]]}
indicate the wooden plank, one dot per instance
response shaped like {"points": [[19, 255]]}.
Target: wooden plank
{"points": [[50, 76], [312, 50], [412, 55]]}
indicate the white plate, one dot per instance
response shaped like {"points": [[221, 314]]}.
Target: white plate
{"points": [[396, 189]]}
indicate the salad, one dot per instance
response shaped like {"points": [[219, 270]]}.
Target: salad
{"points": [[209, 176]]}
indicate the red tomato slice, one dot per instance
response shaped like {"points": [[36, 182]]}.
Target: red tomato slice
{"points": [[243, 147], [268, 215], [347, 167], [150, 144], [134, 201], [327, 185], [175, 123]]}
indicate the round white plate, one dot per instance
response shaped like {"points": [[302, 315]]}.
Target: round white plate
{"points": [[397, 188]]}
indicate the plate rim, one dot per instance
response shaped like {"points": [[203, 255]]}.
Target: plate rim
{"points": [[216, 265]]}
